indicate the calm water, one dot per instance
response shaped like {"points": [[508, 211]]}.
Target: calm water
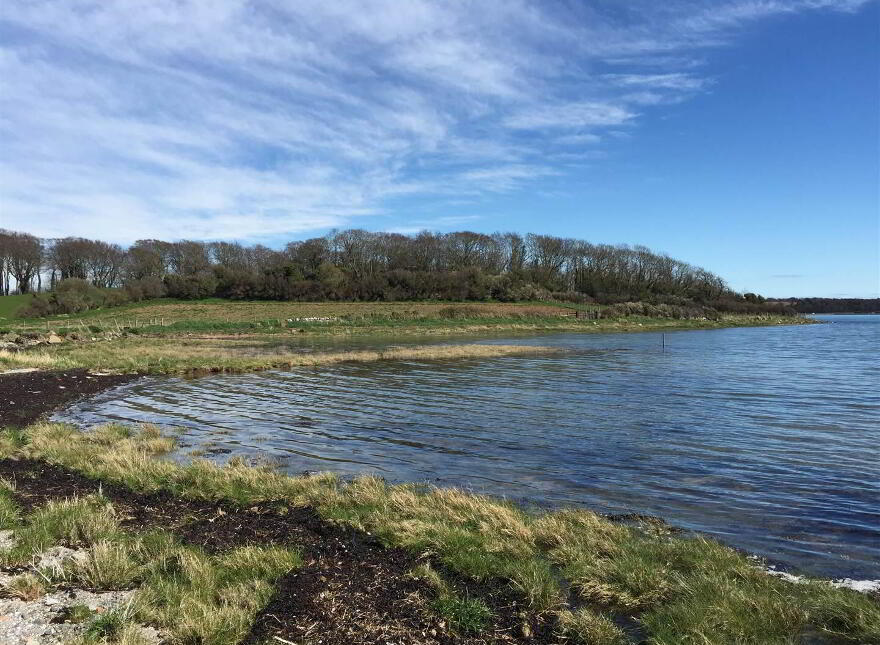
{"points": [[765, 437]]}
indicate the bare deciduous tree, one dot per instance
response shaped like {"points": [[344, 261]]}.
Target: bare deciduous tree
{"points": [[24, 259]]}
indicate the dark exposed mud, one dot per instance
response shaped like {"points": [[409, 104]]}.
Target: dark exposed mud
{"points": [[26, 397], [351, 589]]}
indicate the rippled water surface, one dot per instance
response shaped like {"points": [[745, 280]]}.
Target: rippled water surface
{"points": [[768, 438]]}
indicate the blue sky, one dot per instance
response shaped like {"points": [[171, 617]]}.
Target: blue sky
{"points": [[740, 135]]}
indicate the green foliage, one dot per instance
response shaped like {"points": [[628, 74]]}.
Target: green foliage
{"points": [[191, 287], [72, 296], [10, 514], [77, 614], [106, 627], [466, 615], [76, 522]]}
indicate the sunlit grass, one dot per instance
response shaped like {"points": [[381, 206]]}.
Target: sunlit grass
{"points": [[31, 358], [681, 589], [147, 355], [76, 522], [194, 597]]}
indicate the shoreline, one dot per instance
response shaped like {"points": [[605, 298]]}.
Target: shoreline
{"points": [[488, 590], [61, 388], [215, 347], [28, 397]]}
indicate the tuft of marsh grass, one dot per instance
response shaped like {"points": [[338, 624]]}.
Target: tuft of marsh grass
{"points": [[25, 586], [465, 615], [41, 359], [479, 537], [108, 565], [212, 599], [844, 613], [11, 441], [195, 597], [77, 614], [75, 522], [590, 628], [10, 514], [114, 627]]}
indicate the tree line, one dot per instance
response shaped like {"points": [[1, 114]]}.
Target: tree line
{"points": [[832, 305], [359, 265]]}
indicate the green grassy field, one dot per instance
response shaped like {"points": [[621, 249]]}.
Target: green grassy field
{"points": [[9, 305], [168, 311]]}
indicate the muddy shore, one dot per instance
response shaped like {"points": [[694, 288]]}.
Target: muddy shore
{"points": [[352, 589], [27, 397]]}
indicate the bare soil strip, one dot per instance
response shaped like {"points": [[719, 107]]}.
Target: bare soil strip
{"points": [[351, 589]]}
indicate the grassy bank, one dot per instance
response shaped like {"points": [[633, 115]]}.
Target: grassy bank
{"points": [[9, 306], [169, 317], [572, 575], [182, 355], [174, 337]]}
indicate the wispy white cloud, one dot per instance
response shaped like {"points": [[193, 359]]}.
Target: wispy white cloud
{"points": [[578, 114], [231, 119]]}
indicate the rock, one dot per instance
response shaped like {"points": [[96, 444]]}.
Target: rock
{"points": [[7, 541], [150, 634], [54, 558], [54, 339]]}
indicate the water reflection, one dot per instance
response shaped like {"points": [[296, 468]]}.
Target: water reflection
{"points": [[766, 437]]}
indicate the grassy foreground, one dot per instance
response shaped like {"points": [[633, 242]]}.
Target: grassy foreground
{"points": [[589, 579]]}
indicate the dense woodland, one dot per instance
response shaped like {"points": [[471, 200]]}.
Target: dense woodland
{"points": [[832, 305], [357, 265]]}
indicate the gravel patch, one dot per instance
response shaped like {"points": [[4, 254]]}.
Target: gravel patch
{"points": [[40, 622], [44, 621]]}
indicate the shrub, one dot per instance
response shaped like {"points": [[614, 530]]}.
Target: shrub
{"points": [[74, 295], [115, 297], [191, 287], [148, 288], [38, 307]]}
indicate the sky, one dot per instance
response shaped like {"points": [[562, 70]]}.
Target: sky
{"points": [[739, 135]]}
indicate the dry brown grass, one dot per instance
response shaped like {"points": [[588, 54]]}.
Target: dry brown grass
{"points": [[26, 587], [14, 360], [180, 355]]}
